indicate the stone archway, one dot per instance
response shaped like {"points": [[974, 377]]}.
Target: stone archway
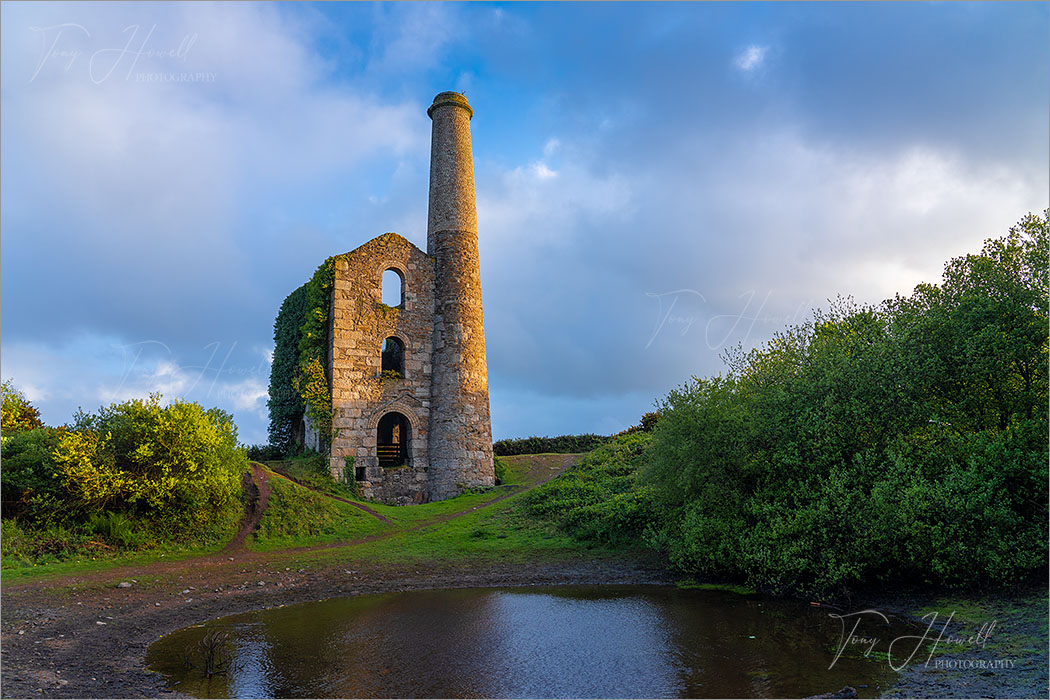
{"points": [[393, 440]]}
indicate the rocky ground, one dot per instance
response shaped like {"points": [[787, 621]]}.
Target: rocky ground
{"points": [[995, 645]]}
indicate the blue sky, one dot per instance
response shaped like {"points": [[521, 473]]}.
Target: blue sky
{"points": [[656, 182]]}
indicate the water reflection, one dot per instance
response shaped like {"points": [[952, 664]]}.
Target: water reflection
{"points": [[576, 641]]}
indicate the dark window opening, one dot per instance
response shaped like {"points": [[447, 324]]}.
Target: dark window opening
{"points": [[392, 440], [393, 356], [393, 293], [359, 473]]}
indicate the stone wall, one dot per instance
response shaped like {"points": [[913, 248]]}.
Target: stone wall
{"points": [[360, 396]]}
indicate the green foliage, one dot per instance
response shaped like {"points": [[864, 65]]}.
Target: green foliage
{"points": [[285, 404], [28, 473], [349, 478], [387, 311], [298, 380], [313, 388], [648, 421], [904, 442], [390, 375], [598, 500], [312, 468], [563, 444], [117, 528], [134, 475], [16, 413], [264, 453], [142, 456]]}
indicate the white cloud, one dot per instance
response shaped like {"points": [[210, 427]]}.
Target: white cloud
{"points": [[91, 370], [541, 171], [750, 58], [142, 194], [535, 205]]}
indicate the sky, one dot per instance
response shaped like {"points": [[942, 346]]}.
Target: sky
{"points": [[656, 183]]}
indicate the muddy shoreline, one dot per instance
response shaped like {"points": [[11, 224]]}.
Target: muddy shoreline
{"points": [[53, 644], [85, 637]]}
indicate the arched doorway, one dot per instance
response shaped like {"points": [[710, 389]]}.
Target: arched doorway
{"points": [[393, 440]]}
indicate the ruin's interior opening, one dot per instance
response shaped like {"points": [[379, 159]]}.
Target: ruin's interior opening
{"points": [[393, 293], [393, 356], [392, 440]]}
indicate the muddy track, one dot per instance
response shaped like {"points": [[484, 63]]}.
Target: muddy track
{"points": [[256, 485]]}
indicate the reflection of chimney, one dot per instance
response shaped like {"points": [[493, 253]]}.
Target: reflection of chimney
{"points": [[460, 437]]}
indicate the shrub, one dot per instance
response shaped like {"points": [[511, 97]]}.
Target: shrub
{"points": [[898, 443], [265, 453], [142, 456], [563, 444], [28, 469], [16, 413]]}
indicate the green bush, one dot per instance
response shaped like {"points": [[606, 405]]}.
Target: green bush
{"points": [[900, 443], [16, 413], [141, 456], [265, 453], [133, 475], [28, 469], [563, 444]]}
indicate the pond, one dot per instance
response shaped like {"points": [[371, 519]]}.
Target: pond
{"points": [[534, 642]]}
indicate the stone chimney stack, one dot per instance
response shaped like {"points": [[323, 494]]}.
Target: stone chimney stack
{"points": [[460, 429]]}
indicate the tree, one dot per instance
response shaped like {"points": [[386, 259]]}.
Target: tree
{"points": [[16, 413]]}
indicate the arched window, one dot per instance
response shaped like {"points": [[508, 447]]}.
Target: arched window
{"points": [[393, 440], [393, 356], [393, 288]]}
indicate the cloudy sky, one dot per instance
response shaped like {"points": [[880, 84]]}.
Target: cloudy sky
{"points": [[655, 183]]}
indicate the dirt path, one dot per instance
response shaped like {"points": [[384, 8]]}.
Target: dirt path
{"points": [[256, 484]]}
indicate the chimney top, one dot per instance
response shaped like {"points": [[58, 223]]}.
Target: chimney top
{"points": [[450, 98]]}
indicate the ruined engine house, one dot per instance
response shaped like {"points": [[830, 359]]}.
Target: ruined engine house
{"points": [[409, 382]]}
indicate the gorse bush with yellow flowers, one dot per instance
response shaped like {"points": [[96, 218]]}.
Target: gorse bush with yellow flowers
{"points": [[132, 474]]}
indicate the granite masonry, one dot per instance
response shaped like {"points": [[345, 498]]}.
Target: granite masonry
{"points": [[409, 383]]}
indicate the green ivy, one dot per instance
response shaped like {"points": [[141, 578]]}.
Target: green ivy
{"points": [[285, 404], [298, 380]]}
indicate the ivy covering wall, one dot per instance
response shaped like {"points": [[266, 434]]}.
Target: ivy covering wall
{"points": [[299, 384]]}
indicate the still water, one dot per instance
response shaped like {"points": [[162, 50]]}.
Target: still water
{"points": [[549, 642]]}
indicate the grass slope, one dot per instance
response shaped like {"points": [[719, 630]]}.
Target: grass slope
{"points": [[298, 517]]}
